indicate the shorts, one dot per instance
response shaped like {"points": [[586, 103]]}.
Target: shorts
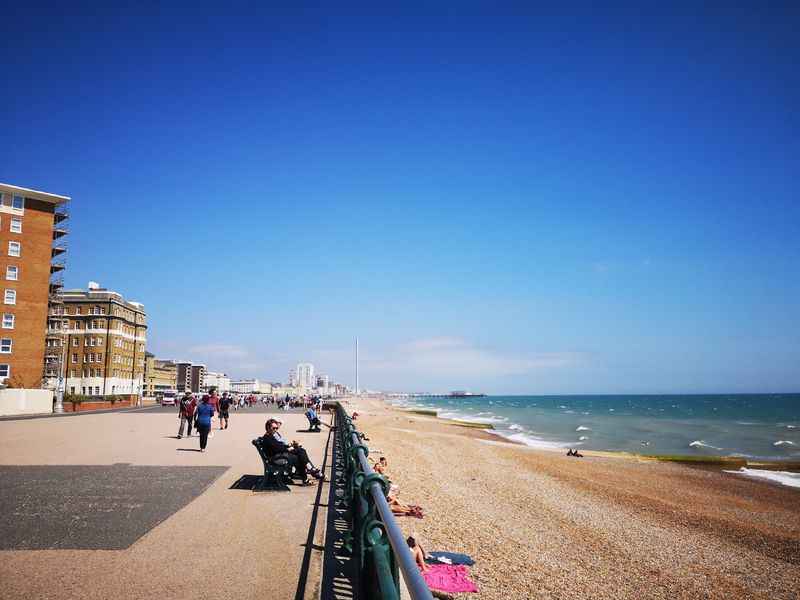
{"points": [[223, 414]]}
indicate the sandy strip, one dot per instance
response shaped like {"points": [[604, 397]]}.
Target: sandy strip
{"points": [[543, 525]]}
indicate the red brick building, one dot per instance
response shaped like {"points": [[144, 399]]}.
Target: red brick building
{"points": [[31, 251]]}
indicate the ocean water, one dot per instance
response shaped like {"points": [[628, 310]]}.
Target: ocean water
{"points": [[763, 426]]}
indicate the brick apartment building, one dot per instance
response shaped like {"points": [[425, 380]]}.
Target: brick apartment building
{"points": [[190, 377], [105, 337], [183, 378], [31, 228], [198, 378]]}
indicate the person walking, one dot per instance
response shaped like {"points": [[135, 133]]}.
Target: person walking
{"points": [[204, 413], [186, 407], [224, 410]]}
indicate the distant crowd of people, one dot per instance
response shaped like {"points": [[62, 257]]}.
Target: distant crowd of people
{"points": [[197, 411]]}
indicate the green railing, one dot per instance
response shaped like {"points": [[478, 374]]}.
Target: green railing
{"points": [[375, 538]]}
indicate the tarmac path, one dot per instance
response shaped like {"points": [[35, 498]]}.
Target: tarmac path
{"points": [[114, 506]]}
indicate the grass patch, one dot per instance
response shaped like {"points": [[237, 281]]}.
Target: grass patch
{"points": [[471, 424], [722, 461], [422, 411]]}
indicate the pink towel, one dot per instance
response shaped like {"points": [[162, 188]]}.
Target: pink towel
{"points": [[449, 578]]}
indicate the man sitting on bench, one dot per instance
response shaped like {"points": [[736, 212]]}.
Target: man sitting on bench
{"points": [[313, 419], [297, 456]]}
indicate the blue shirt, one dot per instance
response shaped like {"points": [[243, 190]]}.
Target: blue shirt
{"points": [[204, 414]]}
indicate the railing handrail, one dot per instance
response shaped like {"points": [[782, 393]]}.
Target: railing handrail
{"points": [[404, 560], [416, 584]]}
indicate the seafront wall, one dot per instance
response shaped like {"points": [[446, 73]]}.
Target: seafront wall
{"points": [[86, 406], [18, 401]]}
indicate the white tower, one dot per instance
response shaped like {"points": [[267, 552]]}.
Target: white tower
{"points": [[357, 388]]}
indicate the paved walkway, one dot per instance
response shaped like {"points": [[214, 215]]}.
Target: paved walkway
{"points": [[114, 506]]}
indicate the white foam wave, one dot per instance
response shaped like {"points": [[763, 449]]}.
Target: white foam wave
{"points": [[583, 437], [533, 441], [702, 444], [783, 443], [791, 427], [783, 477], [583, 428]]}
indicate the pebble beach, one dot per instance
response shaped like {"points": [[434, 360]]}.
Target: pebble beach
{"points": [[543, 525]]}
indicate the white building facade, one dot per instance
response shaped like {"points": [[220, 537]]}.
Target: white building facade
{"points": [[217, 380], [305, 376]]}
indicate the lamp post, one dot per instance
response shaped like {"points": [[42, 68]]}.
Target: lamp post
{"points": [[59, 407]]}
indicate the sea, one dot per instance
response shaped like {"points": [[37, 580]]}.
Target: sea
{"points": [[752, 426]]}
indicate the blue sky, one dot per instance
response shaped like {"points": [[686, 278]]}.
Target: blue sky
{"points": [[493, 197]]}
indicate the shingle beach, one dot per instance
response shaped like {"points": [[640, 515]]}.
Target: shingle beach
{"points": [[543, 525]]}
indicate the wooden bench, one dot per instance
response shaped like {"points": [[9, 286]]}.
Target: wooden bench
{"points": [[277, 470]]}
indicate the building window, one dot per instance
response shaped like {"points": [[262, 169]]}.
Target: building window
{"points": [[5, 372], [14, 248], [16, 225], [5, 345], [12, 273], [75, 342], [18, 202], [97, 390], [77, 310], [8, 321], [74, 358], [72, 390], [11, 297]]}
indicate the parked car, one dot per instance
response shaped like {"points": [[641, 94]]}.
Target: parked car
{"points": [[169, 398]]}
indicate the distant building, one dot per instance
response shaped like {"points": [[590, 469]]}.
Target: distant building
{"points": [[198, 378], [105, 339], [245, 386], [31, 265], [159, 375], [220, 381], [322, 382], [183, 380], [305, 375], [292, 377]]}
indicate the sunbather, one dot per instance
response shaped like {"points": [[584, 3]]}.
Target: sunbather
{"points": [[418, 553], [400, 509], [380, 465]]}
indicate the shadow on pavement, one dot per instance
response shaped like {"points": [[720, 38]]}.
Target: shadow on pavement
{"points": [[246, 482], [309, 545], [339, 580]]}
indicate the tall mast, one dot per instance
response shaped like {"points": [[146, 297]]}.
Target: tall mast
{"points": [[357, 367]]}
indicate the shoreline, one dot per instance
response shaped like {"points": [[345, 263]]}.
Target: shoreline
{"points": [[540, 524], [719, 461]]}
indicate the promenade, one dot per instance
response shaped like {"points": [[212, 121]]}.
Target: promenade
{"points": [[114, 506]]}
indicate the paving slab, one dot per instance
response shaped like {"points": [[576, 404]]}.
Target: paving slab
{"points": [[222, 543]]}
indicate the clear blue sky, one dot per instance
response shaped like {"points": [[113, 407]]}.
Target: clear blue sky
{"points": [[503, 199]]}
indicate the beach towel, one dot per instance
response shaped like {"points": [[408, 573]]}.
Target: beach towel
{"points": [[449, 558], [449, 578]]}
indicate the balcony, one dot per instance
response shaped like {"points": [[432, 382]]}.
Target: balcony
{"points": [[60, 216], [57, 267], [58, 250], [59, 232]]}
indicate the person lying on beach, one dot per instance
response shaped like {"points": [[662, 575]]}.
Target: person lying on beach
{"points": [[418, 553], [380, 466], [400, 509]]}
